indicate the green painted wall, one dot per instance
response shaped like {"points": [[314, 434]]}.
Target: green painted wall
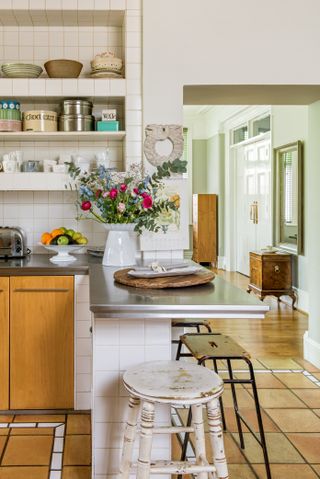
{"points": [[199, 166]]}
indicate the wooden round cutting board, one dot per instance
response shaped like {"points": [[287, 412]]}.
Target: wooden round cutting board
{"points": [[203, 277]]}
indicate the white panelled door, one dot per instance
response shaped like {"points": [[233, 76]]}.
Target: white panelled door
{"points": [[253, 200]]}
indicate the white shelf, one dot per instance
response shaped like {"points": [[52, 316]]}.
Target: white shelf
{"points": [[63, 136], [57, 88], [35, 181]]}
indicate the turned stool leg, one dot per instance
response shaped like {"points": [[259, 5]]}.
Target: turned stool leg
{"points": [[216, 439], [199, 438], [147, 421], [129, 437]]}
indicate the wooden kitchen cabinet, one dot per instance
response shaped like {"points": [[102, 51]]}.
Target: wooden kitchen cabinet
{"points": [[41, 342], [205, 228], [270, 274], [4, 343]]}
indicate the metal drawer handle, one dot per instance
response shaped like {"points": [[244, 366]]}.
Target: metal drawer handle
{"points": [[277, 269], [44, 290]]}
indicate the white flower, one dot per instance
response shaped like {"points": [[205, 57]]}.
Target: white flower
{"points": [[121, 207]]}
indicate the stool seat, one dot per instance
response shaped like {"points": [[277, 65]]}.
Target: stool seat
{"points": [[213, 346], [173, 382]]}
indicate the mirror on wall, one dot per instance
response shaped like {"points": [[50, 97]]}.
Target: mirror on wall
{"points": [[288, 197]]}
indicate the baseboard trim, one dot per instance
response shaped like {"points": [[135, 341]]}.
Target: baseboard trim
{"points": [[311, 350]]}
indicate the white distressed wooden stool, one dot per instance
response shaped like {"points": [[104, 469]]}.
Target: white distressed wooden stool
{"points": [[181, 384]]}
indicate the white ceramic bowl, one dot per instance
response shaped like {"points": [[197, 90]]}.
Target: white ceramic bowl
{"points": [[63, 252]]}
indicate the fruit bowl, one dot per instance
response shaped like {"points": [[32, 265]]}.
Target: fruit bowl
{"points": [[63, 252]]}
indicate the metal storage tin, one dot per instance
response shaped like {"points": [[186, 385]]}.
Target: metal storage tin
{"points": [[77, 107], [76, 123]]}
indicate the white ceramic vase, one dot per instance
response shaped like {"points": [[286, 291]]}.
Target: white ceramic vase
{"points": [[120, 248]]}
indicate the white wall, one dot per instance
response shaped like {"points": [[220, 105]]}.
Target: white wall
{"points": [[194, 43], [289, 124]]}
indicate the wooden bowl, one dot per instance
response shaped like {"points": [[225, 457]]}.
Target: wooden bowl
{"points": [[63, 68]]}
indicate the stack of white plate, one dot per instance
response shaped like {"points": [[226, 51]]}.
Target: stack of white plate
{"points": [[21, 70], [106, 65]]}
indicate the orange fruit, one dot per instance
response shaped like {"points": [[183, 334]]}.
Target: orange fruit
{"points": [[56, 232], [45, 237]]}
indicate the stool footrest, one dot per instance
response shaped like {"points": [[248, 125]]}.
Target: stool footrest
{"points": [[171, 429], [178, 467]]}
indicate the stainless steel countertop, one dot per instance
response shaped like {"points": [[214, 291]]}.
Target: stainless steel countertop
{"points": [[217, 299], [39, 264]]}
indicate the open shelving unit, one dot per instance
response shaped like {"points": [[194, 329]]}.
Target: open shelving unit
{"points": [[63, 136]]}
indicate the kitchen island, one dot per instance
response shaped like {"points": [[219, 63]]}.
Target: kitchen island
{"points": [[131, 326]]}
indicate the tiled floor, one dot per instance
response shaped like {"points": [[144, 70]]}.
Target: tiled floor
{"points": [[45, 446], [290, 396]]}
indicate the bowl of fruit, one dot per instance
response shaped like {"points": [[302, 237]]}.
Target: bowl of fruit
{"points": [[63, 241]]}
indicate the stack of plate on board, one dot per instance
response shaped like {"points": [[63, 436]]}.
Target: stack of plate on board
{"points": [[21, 70]]}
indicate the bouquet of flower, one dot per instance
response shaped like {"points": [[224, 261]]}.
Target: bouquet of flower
{"points": [[119, 198]]}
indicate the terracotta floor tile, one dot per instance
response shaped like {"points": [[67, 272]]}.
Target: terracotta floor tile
{"points": [[3, 440], [295, 380], [251, 417], [295, 420], [240, 471], [286, 471], [28, 451], [39, 418], [316, 375], [79, 424], [280, 363], [24, 472], [311, 368], [316, 467], [308, 445], [77, 451], [316, 411], [6, 417], [76, 472], [244, 398], [32, 431], [310, 396], [4, 431], [280, 449], [278, 398], [263, 380], [233, 453]]}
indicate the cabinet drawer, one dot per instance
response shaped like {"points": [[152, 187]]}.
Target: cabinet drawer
{"points": [[276, 275]]}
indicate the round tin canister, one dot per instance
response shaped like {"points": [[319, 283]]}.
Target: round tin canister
{"points": [[40, 120], [76, 123], [77, 107]]}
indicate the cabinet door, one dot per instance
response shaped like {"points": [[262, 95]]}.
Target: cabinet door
{"points": [[41, 344], [4, 343]]}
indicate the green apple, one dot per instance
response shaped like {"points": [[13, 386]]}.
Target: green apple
{"points": [[70, 233], [82, 240], [62, 228], [63, 240]]}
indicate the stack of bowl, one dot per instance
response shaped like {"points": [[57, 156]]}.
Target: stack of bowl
{"points": [[76, 116], [106, 65], [21, 70]]}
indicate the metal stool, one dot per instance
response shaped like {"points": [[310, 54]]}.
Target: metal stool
{"points": [[188, 323], [173, 383], [204, 347]]}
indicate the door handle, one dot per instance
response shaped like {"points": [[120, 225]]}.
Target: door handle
{"points": [[251, 213], [256, 213]]}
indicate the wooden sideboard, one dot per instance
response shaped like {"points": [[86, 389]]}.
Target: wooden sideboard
{"points": [[271, 275], [205, 228]]}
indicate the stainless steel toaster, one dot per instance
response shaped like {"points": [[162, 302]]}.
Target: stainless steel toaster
{"points": [[13, 243]]}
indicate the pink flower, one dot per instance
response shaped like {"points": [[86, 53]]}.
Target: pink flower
{"points": [[98, 193], [144, 194], [105, 194], [86, 205], [136, 191], [147, 202], [121, 207], [113, 193], [123, 187]]}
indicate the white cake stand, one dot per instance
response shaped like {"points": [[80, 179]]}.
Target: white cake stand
{"points": [[63, 252]]}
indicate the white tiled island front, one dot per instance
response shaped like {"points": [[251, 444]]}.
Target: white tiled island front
{"points": [[131, 326]]}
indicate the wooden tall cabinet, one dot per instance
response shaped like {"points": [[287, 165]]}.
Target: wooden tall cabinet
{"points": [[41, 342], [4, 343], [205, 228]]}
